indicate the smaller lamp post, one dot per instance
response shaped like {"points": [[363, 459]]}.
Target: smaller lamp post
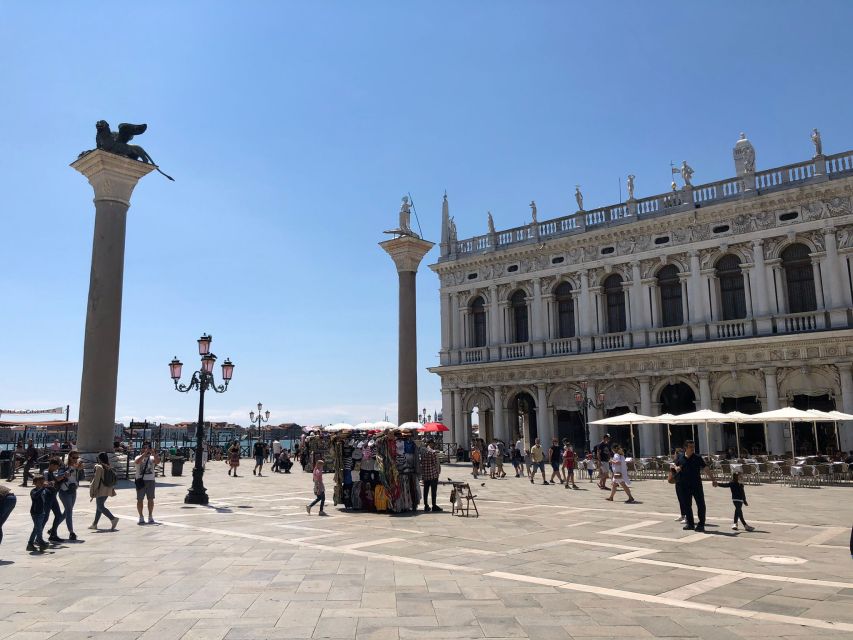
{"points": [[260, 419], [584, 404], [202, 380]]}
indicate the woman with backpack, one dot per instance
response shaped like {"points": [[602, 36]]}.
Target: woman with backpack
{"points": [[103, 487]]}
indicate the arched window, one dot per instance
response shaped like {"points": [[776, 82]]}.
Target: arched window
{"points": [[671, 309], [565, 311], [799, 278], [732, 297], [478, 322], [615, 301], [518, 304]]}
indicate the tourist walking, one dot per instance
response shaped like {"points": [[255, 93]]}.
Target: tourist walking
{"points": [[499, 458], [276, 454], [681, 518], [233, 458], [53, 480], [620, 474], [517, 461], [319, 488], [590, 464], [475, 460], [569, 462], [7, 505], [40, 497], [602, 453], [103, 487], [259, 454], [689, 468], [537, 459], [30, 458], [555, 455], [491, 454], [738, 500], [68, 490], [430, 471], [145, 480]]}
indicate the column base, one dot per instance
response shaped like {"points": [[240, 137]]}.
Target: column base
{"points": [[698, 333], [838, 319], [197, 493], [763, 326]]}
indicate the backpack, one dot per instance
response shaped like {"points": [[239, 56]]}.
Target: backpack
{"points": [[109, 478]]}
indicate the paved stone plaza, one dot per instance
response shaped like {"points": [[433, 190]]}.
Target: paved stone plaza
{"points": [[540, 562]]}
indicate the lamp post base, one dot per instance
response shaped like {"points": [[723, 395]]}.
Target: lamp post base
{"points": [[197, 493]]}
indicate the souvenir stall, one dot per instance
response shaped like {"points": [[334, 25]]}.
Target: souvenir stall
{"points": [[376, 471], [315, 446]]}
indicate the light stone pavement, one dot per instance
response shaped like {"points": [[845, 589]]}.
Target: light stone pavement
{"points": [[540, 562]]}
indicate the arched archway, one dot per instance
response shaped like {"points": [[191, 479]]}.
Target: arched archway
{"points": [[677, 398], [522, 418]]}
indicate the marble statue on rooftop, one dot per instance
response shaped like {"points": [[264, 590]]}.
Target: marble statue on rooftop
{"points": [[491, 224], [533, 211], [452, 233], [579, 197], [818, 145], [406, 217], [630, 185], [686, 173]]}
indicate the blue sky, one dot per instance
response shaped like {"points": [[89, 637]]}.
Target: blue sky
{"points": [[293, 129]]}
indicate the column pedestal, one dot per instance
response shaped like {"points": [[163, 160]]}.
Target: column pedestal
{"points": [[407, 253], [113, 179]]}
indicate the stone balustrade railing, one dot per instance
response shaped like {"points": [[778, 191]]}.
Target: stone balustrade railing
{"points": [[703, 195]]}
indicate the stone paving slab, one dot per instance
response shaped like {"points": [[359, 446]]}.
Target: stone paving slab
{"points": [[541, 562]]}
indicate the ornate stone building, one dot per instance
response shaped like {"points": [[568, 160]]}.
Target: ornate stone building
{"points": [[732, 295]]}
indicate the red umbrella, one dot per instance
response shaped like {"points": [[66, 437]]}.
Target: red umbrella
{"points": [[433, 427]]}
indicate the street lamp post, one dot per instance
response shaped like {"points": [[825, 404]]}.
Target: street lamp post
{"points": [[202, 380], [584, 404], [261, 419]]}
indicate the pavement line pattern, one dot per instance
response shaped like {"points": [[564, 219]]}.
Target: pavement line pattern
{"points": [[621, 531], [684, 604], [824, 536], [698, 588], [371, 543]]}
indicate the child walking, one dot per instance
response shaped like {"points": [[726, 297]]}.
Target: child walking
{"points": [[738, 499], [590, 465], [319, 488], [41, 498]]}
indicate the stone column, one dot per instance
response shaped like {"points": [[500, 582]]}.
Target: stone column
{"points": [[447, 409], [495, 334], [459, 420], [775, 434], [501, 430], [707, 441], [543, 416], [698, 315], [649, 440], [846, 428], [536, 319], [455, 344], [585, 309], [446, 320], [113, 179], [593, 414], [638, 323], [407, 253], [760, 304]]}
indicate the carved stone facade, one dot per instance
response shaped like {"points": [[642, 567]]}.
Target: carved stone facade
{"points": [[742, 296]]}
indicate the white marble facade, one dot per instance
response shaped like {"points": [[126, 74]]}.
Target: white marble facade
{"points": [[730, 295]]}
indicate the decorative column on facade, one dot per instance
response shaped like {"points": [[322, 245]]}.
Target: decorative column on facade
{"points": [[456, 343], [500, 425], [593, 414], [775, 435], [447, 410], [543, 416], [598, 324], [833, 276], [779, 303], [649, 433], [638, 321], [746, 270], [819, 284], [584, 324], [495, 337], [706, 434], [758, 286], [650, 299], [459, 430], [536, 309], [698, 316], [846, 428], [446, 320]]}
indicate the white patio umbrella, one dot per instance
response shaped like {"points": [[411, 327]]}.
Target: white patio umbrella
{"points": [[630, 419], [786, 414], [339, 426], [410, 425], [384, 424], [826, 416], [704, 416], [665, 418], [364, 426], [737, 417], [839, 416]]}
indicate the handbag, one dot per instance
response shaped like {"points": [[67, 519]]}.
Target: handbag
{"points": [[671, 477], [140, 482]]}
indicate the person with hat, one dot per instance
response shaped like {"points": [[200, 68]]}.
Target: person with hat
{"points": [[430, 471], [602, 454], [145, 480]]}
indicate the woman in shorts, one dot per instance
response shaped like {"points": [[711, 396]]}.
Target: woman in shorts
{"points": [[620, 474]]}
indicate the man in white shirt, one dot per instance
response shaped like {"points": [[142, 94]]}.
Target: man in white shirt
{"points": [[145, 464], [276, 452]]}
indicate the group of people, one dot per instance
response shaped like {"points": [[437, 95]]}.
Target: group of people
{"points": [[281, 458], [55, 492]]}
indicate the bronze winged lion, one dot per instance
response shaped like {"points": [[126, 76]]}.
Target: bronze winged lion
{"points": [[117, 142]]}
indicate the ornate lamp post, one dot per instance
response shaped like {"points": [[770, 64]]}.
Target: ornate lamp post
{"points": [[260, 419], [585, 403], [201, 380]]}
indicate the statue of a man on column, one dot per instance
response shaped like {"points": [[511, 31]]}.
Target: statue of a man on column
{"points": [[406, 218], [533, 211], [686, 173], [630, 185], [491, 224]]}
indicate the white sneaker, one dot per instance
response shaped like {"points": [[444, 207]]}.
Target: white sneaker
{"points": [[734, 527], [748, 528], [680, 519], [115, 524], [93, 527]]}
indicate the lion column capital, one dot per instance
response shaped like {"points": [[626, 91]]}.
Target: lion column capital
{"points": [[113, 177]]}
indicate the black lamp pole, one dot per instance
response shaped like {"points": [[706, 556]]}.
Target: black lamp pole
{"points": [[584, 403], [201, 380], [260, 420]]}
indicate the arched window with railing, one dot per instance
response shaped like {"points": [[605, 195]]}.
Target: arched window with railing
{"points": [[732, 295], [614, 298], [518, 307], [565, 310], [669, 288], [478, 322], [799, 278]]}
